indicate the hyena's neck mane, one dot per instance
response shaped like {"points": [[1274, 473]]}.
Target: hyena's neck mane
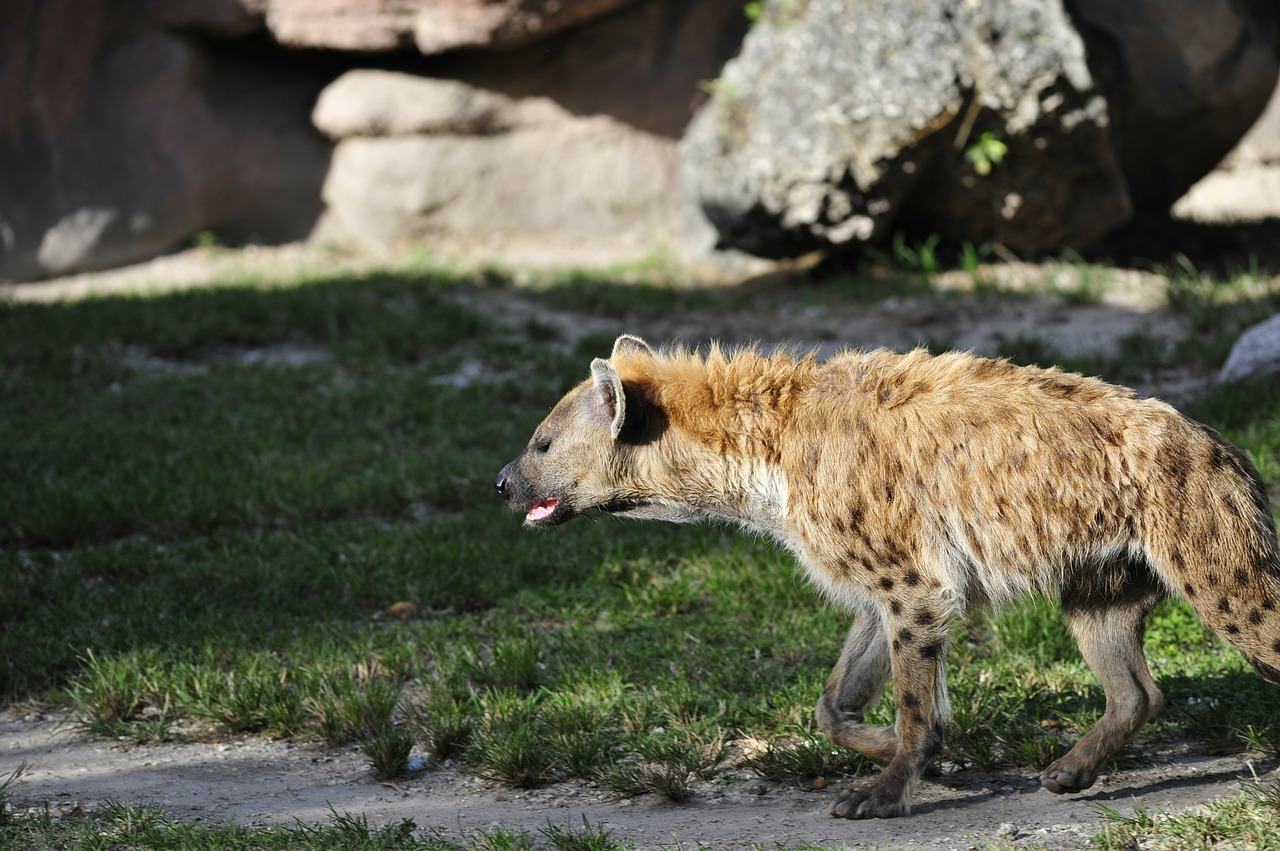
{"points": [[735, 402], [726, 415]]}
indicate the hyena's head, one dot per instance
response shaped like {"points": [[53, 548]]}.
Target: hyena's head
{"points": [[582, 455]]}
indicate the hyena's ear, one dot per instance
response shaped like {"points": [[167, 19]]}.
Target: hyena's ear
{"points": [[629, 345], [609, 394]]}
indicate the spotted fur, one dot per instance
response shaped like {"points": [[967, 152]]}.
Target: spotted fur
{"points": [[911, 488]]}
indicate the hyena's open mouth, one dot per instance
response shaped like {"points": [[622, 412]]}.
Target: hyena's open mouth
{"points": [[541, 511]]}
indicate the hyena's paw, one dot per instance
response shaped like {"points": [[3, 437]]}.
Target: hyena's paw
{"points": [[1067, 776], [866, 803]]}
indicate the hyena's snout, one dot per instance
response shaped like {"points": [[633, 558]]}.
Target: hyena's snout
{"points": [[523, 494], [509, 484]]}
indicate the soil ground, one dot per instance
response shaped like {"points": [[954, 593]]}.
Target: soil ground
{"points": [[257, 781]]}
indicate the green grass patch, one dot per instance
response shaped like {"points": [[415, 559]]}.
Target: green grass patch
{"points": [[270, 511]]}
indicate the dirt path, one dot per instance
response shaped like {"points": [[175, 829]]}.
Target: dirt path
{"points": [[256, 782]]}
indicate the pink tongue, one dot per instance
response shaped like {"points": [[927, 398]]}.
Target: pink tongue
{"points": [[542, 509]]}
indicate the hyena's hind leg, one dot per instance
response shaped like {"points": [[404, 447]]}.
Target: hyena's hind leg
{"points": [[855, 682], [1109, 634]]}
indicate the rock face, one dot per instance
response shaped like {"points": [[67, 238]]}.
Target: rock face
{"points": [[120, 139], [125, 128], [1184, 80], [845, 120], [432, 26], [573, 139], [419, 157], [1246, 185]]}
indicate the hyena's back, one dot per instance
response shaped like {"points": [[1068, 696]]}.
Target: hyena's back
{"points": [[994, 481]]}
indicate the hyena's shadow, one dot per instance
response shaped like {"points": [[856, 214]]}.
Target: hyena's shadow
{"points": [[1183, 772]]}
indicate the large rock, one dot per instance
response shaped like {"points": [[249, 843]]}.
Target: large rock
{"points": [[432, 26], [843, 121], [426, 158], [1184, 80], [571, 140], [1246, 184], [120, 140]]}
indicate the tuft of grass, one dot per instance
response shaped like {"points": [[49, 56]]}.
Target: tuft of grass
{"points": [[388, 751], [590, 838], [805, 758], [445, 723], [509, 745], [1248, 820]]}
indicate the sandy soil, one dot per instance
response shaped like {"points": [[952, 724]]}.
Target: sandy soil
{"points": [[257, 781], [254, 781]]}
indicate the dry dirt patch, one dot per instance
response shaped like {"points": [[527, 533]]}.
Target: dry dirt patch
{"points": [[255, 781]]}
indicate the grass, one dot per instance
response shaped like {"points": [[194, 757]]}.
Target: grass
{"points": [[200, 535]]}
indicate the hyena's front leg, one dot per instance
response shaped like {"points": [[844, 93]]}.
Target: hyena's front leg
{"points": [[918, 645], [855, 682]]}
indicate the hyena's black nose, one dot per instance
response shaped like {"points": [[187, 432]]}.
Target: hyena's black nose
{"points": [[501, 482]]}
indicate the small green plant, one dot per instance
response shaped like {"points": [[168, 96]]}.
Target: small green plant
{"points": [[588, 839], [444, 722], [112, 699], [805, 759], [388, 751], [510, 745], [7, 782], [128, 820], [986, 152]]}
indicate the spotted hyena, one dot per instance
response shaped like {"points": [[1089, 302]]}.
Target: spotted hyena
{"points": [[912, 487]]}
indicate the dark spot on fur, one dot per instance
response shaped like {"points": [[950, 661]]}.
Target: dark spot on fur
{"points": [[1224, 606], [917, 717], [912, 578], [910, 700], [905, 636], [895, 607], [1255, 617], [840, 527], [1232, 629], [1268, 605], [931, 650], [924, 618], [886, 584], [1276, 647], [1189, 589], [1059, 387], [1242, 576], [855, 517], [1213, 578]]}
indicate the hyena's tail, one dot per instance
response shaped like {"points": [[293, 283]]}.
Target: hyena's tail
{"points": [[1220, 551]]}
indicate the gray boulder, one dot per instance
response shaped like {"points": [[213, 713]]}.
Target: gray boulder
{"points": [[843, 121], [1255, 354]]}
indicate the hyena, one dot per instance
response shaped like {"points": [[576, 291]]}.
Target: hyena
{"points": [[912, 487]]}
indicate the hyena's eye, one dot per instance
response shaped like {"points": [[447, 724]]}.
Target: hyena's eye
{"points": [[542, 444]]}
